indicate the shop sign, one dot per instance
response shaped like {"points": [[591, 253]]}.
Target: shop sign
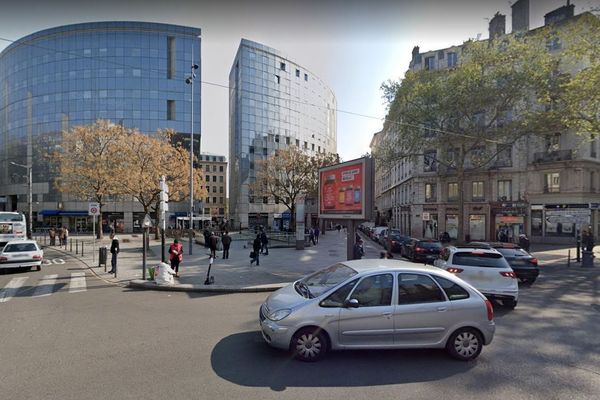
{"points": [[568, 216], [426, 216]]}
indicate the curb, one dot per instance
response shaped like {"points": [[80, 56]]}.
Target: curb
{"points": [[151, 285]]}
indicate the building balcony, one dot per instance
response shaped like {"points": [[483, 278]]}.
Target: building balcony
{"points": [[553, 156]]}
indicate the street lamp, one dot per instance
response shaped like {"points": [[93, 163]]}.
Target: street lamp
{"points": [[190, 81], [29, 196]]}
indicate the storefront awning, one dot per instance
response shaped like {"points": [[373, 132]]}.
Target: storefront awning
{"points": [[49, 213]]}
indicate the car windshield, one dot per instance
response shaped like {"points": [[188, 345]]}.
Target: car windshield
{"points": [[18, 247], [431, 245], [397, 238], [513, 252], [11, 218], [321, 281], [480, 259]]}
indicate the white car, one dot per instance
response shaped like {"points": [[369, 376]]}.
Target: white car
{"points": [[485, 269], [21, 254], [377, 232]]}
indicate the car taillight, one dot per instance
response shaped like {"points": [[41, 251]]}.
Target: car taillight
{"points": [[509, 275], [3, 259], [37, 257], [490, 310], [454, 270], [534, 261], [420, 250], [394, 243]]}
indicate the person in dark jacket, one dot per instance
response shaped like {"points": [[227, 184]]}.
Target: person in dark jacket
{"points": [[226, 240], [114, 251], [213, 241], [256, 246], [264, 240], [524, 242], [357, 250]]}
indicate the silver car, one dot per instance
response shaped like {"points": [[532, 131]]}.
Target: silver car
{"points": [[377, 304]]}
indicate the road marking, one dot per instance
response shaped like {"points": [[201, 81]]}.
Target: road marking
{"points": [[11, 289], [59, 261], [46, 285], [77, 283]]}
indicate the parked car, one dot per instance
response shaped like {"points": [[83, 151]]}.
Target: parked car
{"points": [[485, 269], [21, 254], [395, 241], [524, 264], [423, 250], [377, 303], [375, 232]]}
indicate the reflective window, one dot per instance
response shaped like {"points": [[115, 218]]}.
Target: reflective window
{"points": [[416, 288], [374, 291]]}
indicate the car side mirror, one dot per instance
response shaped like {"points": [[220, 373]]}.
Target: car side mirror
{"points": [[351, 303]]}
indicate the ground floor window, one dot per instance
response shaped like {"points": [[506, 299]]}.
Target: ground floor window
{"points": [[536, 223], [509, 227], [452, 226], [477, 227], [430, 227]]}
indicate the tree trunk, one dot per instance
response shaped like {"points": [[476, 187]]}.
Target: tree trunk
{"points": [[460, 178]]}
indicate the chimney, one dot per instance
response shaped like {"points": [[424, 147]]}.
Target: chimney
{"points": [[497, 26], [520, 16], [560, 14]]}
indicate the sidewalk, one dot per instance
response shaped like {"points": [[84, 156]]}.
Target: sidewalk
{"points": [[280, 267]]}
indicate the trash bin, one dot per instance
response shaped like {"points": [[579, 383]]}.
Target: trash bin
{"points": [[587, 260], [102, 255]]}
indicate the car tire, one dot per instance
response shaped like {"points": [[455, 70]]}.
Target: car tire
{"points": [[510, 304], [309, 344], [39, 267], [465, 344]]}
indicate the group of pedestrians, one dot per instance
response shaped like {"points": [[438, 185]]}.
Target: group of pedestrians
{"points": [[260, 245], [61, 233], [313, 235]]}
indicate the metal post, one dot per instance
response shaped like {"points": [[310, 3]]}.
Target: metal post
{"points": [[144, 255], [82, 249], [162, 242], [569, 258], [30, 198], [77, 246], [71, 245], [192, 157]]}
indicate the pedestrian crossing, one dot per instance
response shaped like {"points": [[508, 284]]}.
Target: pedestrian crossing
{"points": [[46, 286]]}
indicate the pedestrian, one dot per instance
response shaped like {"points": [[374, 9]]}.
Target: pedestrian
{"points": [[339, 228], [52, 235], [317, 233], [206, 234], [588, 240], [65, 236], [358, 250], [524, 242], [264, 240], [311, 236], [213, 241], [386, 254], [226, 240], [114, 251], [60, 236], [176, 256], [256, 246], [445, 237]]}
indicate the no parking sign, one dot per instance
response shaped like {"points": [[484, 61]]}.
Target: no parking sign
{"points": [[93, 209]]}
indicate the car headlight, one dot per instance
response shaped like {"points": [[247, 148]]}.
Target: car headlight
{"points": [[279, 314]]}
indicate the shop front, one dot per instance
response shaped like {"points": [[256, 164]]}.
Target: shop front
{"points": [[476, 227], [508, 220], [430, 225], [113, 222], [560, 221]]}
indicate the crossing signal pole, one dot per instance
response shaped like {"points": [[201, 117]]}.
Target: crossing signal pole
{"points": [[164, 207]]}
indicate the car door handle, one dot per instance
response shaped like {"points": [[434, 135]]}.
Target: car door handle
{"points": [[442, 308], [387, 314]]}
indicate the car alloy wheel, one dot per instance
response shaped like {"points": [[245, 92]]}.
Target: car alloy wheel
{"points": [[465, 344], [309, 344]]}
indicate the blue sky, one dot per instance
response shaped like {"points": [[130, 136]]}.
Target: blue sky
{"points": [[352, 45]]}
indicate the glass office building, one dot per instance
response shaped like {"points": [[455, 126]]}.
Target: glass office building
{"points": [[273, 103], [132, 73]]}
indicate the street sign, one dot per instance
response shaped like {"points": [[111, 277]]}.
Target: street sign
{"points": [[93, 209], [426, 216], [147, 222]]}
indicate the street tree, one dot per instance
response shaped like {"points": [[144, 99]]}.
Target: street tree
{"points": [[85, 162], [468, 117]]}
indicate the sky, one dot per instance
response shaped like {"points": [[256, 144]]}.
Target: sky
{"points": [[353, 46]]}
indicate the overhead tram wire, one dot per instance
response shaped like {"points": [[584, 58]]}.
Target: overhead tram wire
{"points": [[159, 71]]}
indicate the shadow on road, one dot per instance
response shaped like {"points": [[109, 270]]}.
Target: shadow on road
{"points": [[244, 359]]}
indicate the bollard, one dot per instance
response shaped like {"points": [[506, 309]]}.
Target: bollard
{"points": [[71, 246], [81, 249], [569, 259], [77, 246]]}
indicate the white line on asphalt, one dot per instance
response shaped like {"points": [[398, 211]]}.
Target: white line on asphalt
{"points": [[11, 289], [77, 283], [45, 286]]}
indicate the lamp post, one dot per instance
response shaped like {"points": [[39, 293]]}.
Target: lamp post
{"points": [[190, 81], [29, 197]]}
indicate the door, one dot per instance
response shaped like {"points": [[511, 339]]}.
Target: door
{"points": [[422, 315], [371, 323]]}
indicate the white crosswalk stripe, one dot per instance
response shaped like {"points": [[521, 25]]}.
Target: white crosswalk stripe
{"points": [[77, 283], [45, 286], [11, 289]]}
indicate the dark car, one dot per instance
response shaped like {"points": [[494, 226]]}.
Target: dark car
{"points": [[524, 264], [395, 241], [422, 250]]}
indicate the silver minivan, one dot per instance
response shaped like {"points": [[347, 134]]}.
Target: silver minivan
{"points": [[377, 304]]}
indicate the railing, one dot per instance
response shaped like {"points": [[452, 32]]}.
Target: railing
{"points": [[552, 156]]}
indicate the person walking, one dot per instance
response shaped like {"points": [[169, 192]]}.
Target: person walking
{"points": [[114, 251], [65, 236], [311, 236], [176, 256], [317, 233], [264, 240], [226, 240], [52, 235], [524, 242], [60, 236], [358, 251], [213, 241], [256, 246]]}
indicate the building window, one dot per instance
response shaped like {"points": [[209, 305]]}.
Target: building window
{"points": [[552, 182], [297, 73], [207, 178], [220, 200], [452, 191], [430, 194], [207, 211], [277, 79], [221, 189], [221, 179], [504, 190], [306, 77], [430, 63], [265, 151], [214, 168], [452, 59], [220, 168], [265, 200], [214, 200], [504, 157], [552, 142], [208, 200], [214, 178], [429, 161], [593, 146], [592, 182], [297, 142], [171, 110], [251, 150], [171, 53], [478, 191], [312, 146], [282, 66], [306, 145]]}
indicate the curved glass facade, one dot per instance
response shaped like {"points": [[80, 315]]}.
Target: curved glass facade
{"points": [[273, 103], [132, 73]]}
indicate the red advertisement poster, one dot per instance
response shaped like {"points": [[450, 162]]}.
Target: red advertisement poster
{"points": [[342, 189]]}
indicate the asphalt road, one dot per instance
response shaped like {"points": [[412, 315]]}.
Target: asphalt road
{"points": [[108, 342]]}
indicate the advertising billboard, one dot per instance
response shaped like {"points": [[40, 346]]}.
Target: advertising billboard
{"points": [[345, 190]]}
